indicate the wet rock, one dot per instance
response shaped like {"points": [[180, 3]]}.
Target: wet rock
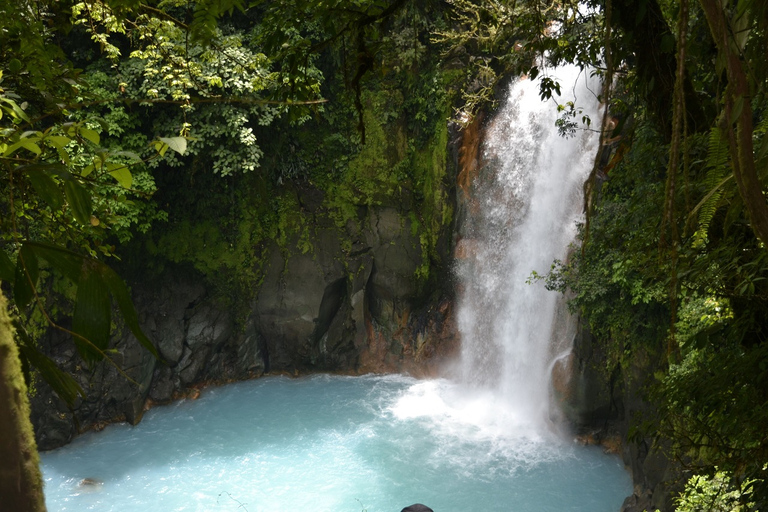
{"points": [[331, 299], [639, 502], [297, 303], [604, 405], [92, 483], [417, 507], [396, 255]]}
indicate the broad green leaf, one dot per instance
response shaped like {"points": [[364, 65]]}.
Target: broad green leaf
{"points": [[46, 188], [88, 169], [7, 270], [90, 135], [71, 265], [27, 272], [763, 148], [93, 313], [178, 144], [58, 141], [63, 155], [14, 66], [123, 176], [102, 122], [23, 143], [79, 200], [123, 298], [61, 382], [129, 154], [68, 263], [17, 110], [57, 169], [738, 106], [31, 145]]}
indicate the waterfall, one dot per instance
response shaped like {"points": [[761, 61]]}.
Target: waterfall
{"points": [[521, 215]]}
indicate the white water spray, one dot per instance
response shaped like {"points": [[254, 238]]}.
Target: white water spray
{"points": [[522, 216]]}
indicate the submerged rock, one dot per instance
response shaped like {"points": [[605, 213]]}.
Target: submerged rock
{"points": [[90, 483], [417, 507]]}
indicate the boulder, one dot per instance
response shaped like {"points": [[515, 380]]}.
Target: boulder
{"points": [[417, 507]]}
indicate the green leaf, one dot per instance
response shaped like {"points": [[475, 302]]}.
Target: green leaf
{"points": [[123, 298], [63, 384], [46, 188], [72, 266], [88, 169], [63, 155], [57, 169], [30, 145], [25, 143], [130, 154], [102, 122], [178, 144], [68, 263], [58, 141], [79, 200], [160, 147], [14, 66], [17, 110], [123, 176], [93, 311], [738, 106], [27, 272], [90, 135], [7, 270], [763, 148]]}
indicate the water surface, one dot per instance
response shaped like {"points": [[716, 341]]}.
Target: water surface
{"points": [[332, 443]]}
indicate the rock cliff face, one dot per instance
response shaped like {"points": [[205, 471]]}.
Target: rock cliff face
{"points": [[351, 304], [603, 406]]}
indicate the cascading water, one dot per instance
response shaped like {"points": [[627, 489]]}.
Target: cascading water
{"points": [[521, 213], [521, 216], [379, 443]]}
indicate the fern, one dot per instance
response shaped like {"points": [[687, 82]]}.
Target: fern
{"points": [[717, 176], [761, 148]]}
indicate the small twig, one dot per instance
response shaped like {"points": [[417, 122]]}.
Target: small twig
{"points": [[240, 504]]}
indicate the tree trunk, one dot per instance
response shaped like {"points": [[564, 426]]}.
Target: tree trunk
{"points": [[21, 483], [645, 29], [740, 139]]}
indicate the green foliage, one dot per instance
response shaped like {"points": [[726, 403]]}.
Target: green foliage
{"points": [[718, 493], [672, 267], [617, 280], [59, 188], [716, 178], [493, 40]]}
